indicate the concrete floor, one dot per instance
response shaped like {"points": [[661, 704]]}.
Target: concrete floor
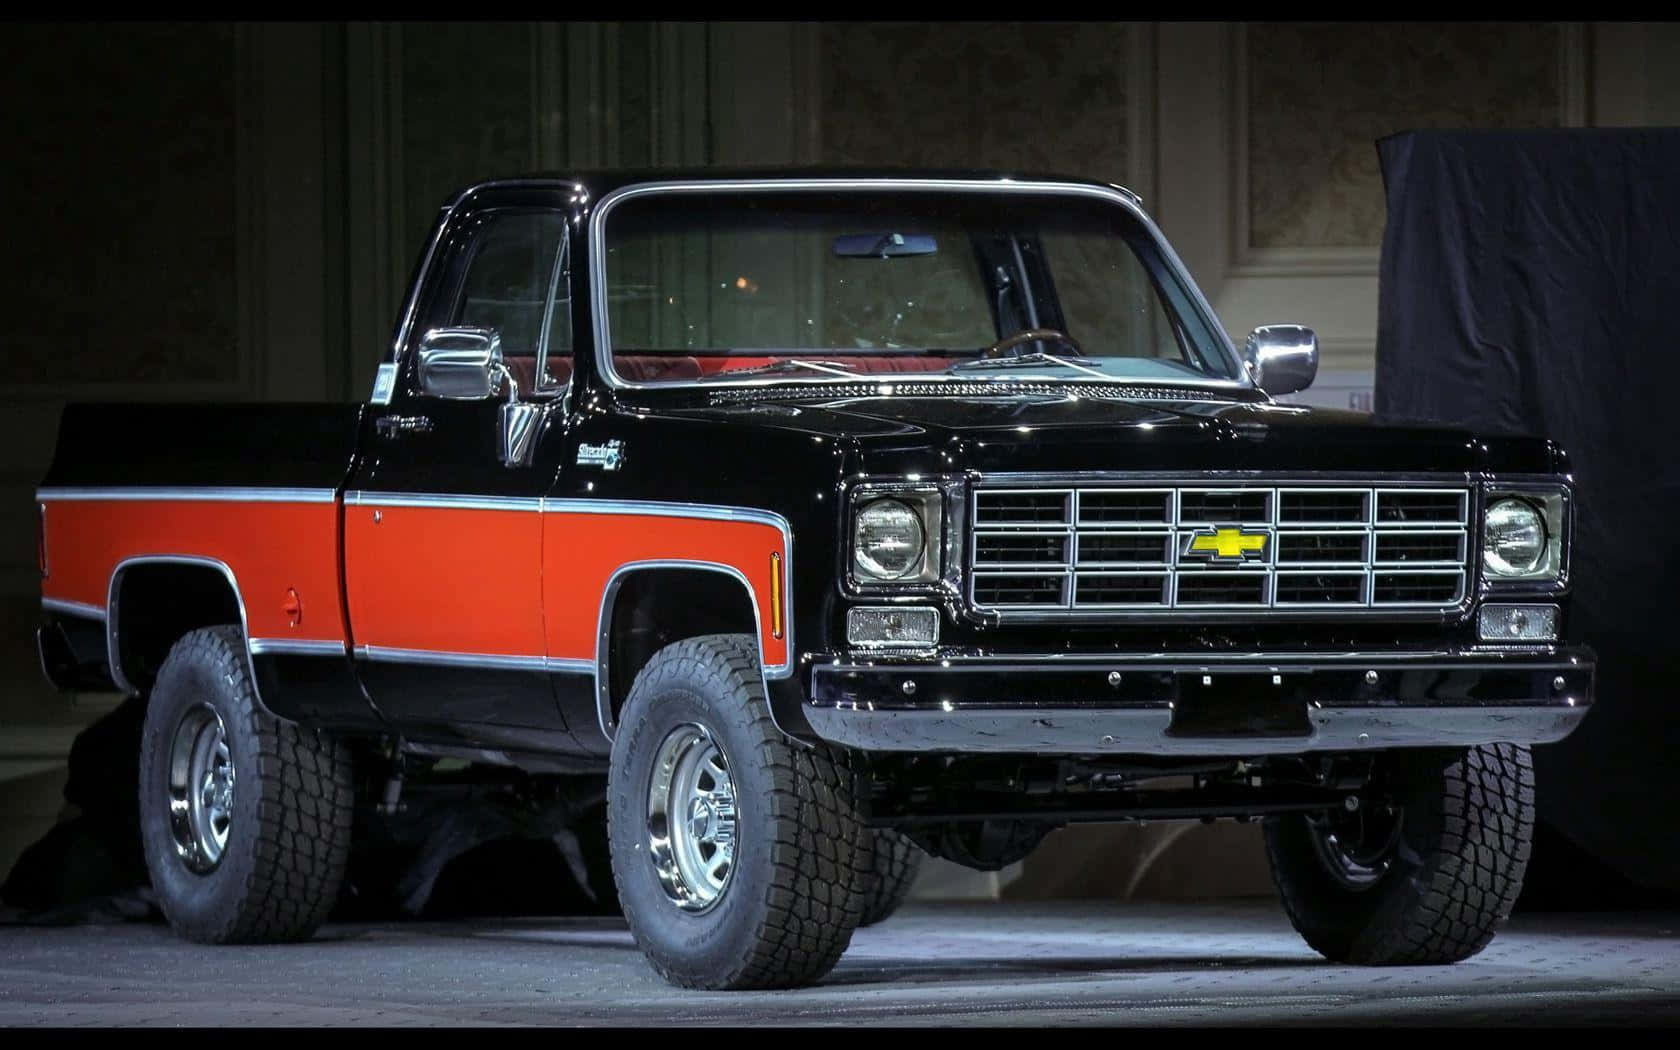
{"points": [[965, 964]]}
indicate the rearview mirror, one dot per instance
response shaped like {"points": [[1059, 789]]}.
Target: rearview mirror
{"points": [[1281, 358], [884, 245], [462, 364]]}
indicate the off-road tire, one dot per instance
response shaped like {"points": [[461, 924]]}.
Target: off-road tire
{"points": [[1468, 822], [793, 896], [891, 863], [289, 837]]}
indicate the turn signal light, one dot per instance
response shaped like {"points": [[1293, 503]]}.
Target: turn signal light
{"points": [[778, 626], [1518, 623], [899, 627]]}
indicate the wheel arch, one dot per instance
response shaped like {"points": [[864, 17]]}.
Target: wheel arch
{"points": [[623, 647], [212, 598]]}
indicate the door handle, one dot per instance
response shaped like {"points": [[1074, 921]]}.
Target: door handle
{"points": [[402, 426]]}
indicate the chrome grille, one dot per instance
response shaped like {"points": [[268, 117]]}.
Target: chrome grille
{"points": [[1072, 550]]}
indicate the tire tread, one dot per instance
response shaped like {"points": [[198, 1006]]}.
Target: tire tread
{"points": [[1462, 886], [304, 813], [814, 901], [890, 867]]}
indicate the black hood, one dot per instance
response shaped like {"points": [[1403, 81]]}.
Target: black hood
{"points": [[1066, 432]]}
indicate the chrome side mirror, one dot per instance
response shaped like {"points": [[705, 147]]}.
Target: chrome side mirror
{"points": [[462, 364], [465, 364], [1281, 358]]}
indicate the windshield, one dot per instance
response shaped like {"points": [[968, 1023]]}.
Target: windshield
{"points": [[828, 285]]}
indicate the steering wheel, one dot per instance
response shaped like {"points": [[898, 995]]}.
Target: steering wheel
{"points": [[1032, 335]]}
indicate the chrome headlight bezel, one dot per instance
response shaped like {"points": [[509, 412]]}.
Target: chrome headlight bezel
{"points": [[1552, 502], [927, 502]]}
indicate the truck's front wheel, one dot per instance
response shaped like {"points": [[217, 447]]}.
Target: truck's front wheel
{"points": [[736, 852], [245, 819], [1428, 879], [891, 864]]}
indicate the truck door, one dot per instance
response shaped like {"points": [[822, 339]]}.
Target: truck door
{"points": [[442, 529]]}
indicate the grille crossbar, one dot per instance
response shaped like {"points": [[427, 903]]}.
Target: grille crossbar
{"points": [[1064, 550]]}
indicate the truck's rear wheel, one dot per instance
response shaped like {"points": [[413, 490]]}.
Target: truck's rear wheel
{"points": [[735, 851], [891, 863], [245, 819], [1426, 881]]}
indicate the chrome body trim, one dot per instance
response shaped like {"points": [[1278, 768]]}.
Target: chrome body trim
{"points": [[653, 508], [570, 665], [1124, 198], [114, 652], [442, 658], [1135, 731], [216, 494], [295, 647], [603, 626], [441, 501], [65, 607], [1408, 659], [489, 661]]}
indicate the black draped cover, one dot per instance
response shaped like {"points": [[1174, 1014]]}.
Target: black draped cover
{"points": [[1531, 282]]}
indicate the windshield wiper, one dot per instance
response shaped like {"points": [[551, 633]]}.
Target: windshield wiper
{"points": [[791, 364], [1037, 357]]}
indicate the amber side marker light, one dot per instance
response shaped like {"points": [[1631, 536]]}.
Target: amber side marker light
{"points": [[776, 624]]}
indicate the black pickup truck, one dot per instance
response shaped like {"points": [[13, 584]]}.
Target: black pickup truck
{"points": [[835, 519]]}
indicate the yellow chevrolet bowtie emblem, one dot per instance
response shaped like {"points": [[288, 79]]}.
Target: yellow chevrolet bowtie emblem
{"points": [[1228, 544]]}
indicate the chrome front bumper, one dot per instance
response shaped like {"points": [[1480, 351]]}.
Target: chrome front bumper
{"points": [[1177, 704]]}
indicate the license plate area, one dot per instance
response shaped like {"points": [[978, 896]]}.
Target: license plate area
{"points": [[1237, 705]]}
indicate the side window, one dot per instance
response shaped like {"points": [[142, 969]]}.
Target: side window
{"points": [[498, 272]]}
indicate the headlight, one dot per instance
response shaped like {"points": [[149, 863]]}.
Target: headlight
{"points": [[888, 543], [897, 536], [1522, 535], [1513, 538]]}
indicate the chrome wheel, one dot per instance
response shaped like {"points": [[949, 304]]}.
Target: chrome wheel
{"points": [[691, 818], [201, 780], [1357, 848]]}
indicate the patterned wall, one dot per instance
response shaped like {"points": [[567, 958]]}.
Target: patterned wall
{"points": [[1036, 96], [1320, 94], [466, 112], [120, 180], [469, 95]]}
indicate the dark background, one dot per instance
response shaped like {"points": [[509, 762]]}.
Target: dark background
{"points": [[229, 211]]}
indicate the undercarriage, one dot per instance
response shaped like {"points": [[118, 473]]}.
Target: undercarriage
{"points": [[986, 812]]}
